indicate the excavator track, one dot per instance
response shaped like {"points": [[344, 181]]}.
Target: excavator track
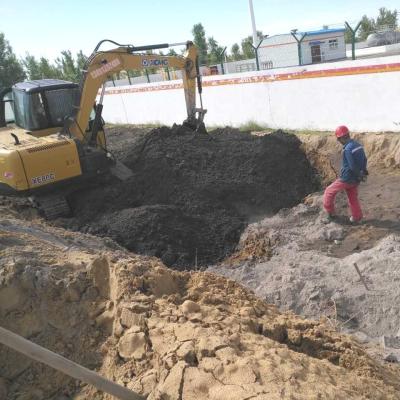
{"points": [[51, 206]]}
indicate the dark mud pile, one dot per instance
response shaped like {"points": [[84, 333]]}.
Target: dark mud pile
{"points": [[191, 195]]}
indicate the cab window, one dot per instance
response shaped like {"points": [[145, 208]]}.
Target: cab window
{"points": [[8, 108]]}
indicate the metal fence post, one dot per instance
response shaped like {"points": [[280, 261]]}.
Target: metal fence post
{"points": [[168, 75], [299, 41], [222, 60], [256, 54], [353, 38], [147, 75]]}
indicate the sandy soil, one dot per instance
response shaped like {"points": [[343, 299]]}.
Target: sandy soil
{"points": [[165, 334], [198, 335], [298, 262]]}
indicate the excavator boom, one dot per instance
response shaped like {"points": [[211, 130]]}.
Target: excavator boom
{"points": [[103, 64]]}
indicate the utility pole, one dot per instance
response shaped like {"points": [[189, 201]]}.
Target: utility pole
{"points": [[253, 23]]}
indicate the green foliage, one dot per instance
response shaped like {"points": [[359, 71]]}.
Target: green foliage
{"points": [[252, 126], [210, 51], [199, 39], [70, 70], [367, 26], [247, 48], [40, 69], [348, 37], [31, 66], [172, 52], [66, 67], [80, 61], [49, 70], [385, 19], [236, 54], [214, 51], [11, 70]]}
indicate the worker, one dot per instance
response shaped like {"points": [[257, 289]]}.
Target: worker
{"points": [[353, 171]]}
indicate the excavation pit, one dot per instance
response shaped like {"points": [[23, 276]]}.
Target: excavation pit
{"points": [[191, 194]]}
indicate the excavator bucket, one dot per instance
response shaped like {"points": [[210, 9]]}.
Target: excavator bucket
{"points": [[121, 171]]}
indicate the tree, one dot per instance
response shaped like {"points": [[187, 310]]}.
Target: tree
{"points": [[41, 69], [348, 37], [65, 67], [11, 70], [66, 64], [32, 67], [172, 52], [69, 67], [247, 48], [367, 26], [236, 54], [199, 39], [80, 61], [386, 18], [214, 51], [48, 70]]}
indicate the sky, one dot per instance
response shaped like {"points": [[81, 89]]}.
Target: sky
{"points": [[46, 27]]}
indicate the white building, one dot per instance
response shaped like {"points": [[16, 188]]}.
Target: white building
{"points": [[317, 46]]}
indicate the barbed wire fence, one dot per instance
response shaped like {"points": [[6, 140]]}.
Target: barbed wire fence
{"points": [[331, 42]]}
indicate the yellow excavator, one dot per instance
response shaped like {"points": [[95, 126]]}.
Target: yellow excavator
{"points": [[53, 144]]}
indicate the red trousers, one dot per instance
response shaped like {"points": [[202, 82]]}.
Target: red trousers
{"points": [[352, 195]]}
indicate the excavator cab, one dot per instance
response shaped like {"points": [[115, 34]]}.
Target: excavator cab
{"points": [[40, 106]]}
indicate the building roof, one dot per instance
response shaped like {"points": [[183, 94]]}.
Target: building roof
{"points": [[323, 31], [309, 33]]}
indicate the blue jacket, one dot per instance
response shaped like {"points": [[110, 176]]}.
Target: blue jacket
{"points": [[354, 164]]}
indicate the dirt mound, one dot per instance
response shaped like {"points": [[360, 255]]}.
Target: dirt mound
{"points": [[167, 232], [298, 262], [192, 194], [325, 154], [163, 333]]}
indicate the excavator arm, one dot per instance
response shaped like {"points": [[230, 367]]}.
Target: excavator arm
{"points": [[101, 65]]}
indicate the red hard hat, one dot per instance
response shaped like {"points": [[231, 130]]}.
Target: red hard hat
{"points": [[341, 131]]}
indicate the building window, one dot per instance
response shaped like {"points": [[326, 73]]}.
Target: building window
{"points": [[333, 44]]}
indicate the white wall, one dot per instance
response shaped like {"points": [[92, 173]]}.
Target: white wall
{"points": [[326, 53], [334, 54], [287, 98], [280, 49], [370, 51], [239, 66]]}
